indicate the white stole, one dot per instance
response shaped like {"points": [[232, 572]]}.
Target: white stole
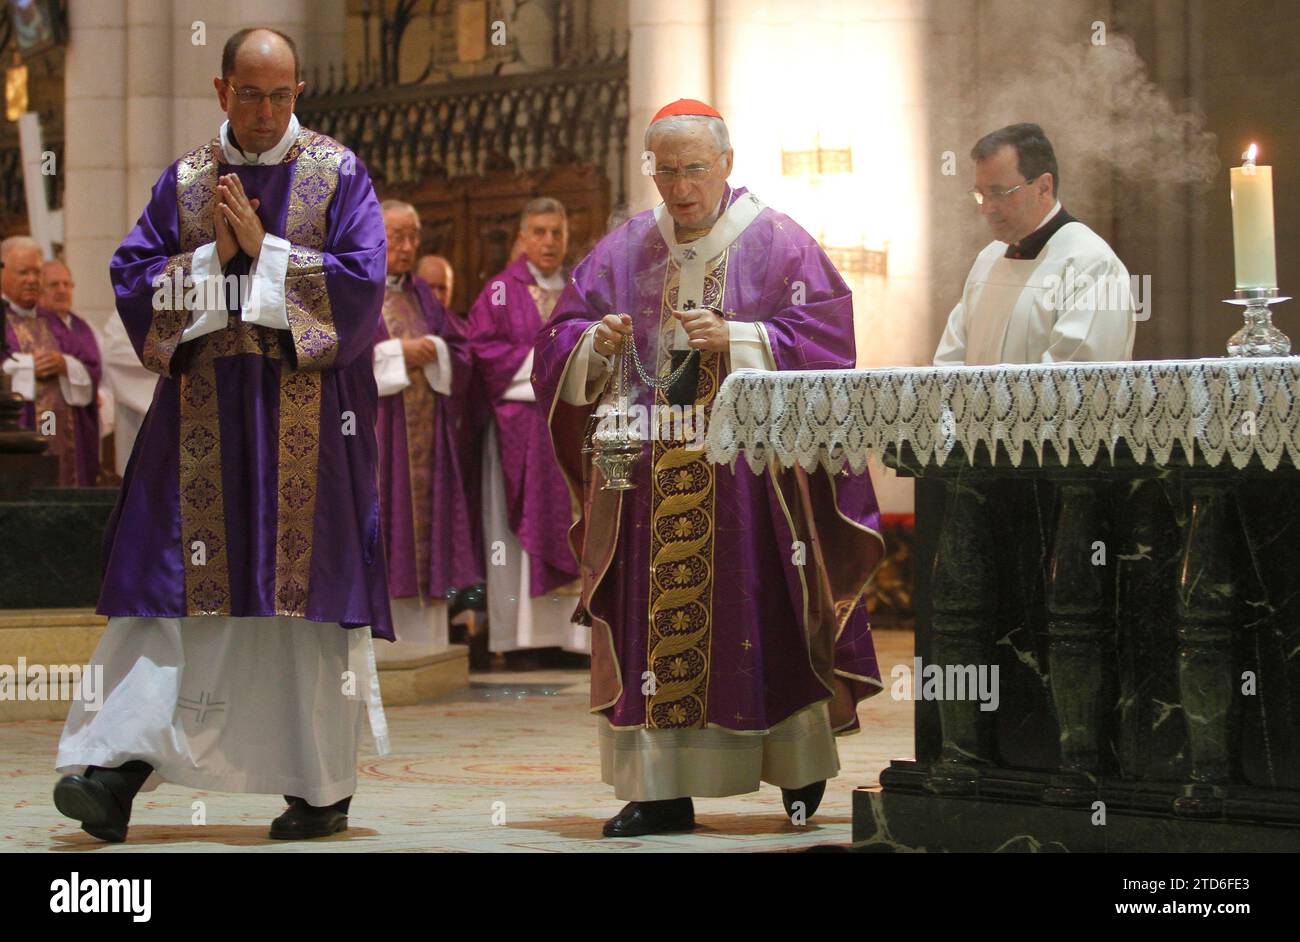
{"points": [[693, 257]]}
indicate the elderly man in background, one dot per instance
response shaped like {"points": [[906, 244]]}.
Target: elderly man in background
{"points": [[729, 643], [1047, 289], [531, 572], [421, 362], [54, 364], [77, 338], [476, 412]]}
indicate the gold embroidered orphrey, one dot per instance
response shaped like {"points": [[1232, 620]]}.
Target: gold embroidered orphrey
{"points": [[682, 502], [545, 299], [405, 321], [34, 335], [202, 512]]}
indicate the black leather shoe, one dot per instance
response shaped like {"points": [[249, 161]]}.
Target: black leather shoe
{"points": [[470, 598], [303, 822], [810, 795], [93, 804], [652, 817]]}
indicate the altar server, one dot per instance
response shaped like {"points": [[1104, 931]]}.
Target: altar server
{"points": [[1047, 289]]}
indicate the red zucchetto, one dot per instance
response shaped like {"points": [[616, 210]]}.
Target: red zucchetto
{"points": [[686, 106]]}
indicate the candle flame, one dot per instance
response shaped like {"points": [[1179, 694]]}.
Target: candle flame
{"points": [[1251, 152]]}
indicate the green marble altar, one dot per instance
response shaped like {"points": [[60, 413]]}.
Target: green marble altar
{"points": [[1114, 546]]}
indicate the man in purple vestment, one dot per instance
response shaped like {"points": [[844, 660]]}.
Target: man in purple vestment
{"points": [[729, 638], [421, 362], [75, 337], [531, 572], [243, 567], [54, 365], [476, 412]]}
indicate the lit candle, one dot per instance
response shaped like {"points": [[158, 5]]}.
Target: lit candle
{"points": [[1252, 223]]}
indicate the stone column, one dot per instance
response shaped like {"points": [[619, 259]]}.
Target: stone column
{"points": [[782, 70], [326, 37], [95, 133], [149, 91], [670, 56]]}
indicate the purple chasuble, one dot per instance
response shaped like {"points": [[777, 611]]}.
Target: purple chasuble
{"points": [[76, 430], [77, 338], [693, 574], [475, 416], [426, 521], [251, 489], [502, 324]]}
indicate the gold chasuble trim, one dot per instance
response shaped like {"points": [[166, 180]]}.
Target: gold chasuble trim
{"points": [[164, 334], [296, 508], [202, 507], [203, 513], [34, 334], [421, 405], [306, 297], [544, 299], [682, 502], [196, 195], [311, 322]]}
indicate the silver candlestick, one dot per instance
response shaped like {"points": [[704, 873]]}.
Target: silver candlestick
{"points": [[1258, 338]]}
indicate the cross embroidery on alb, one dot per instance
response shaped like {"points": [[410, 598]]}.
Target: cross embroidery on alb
{"points": [[201, 707]]}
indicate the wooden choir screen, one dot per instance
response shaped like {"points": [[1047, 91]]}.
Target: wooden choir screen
{"points": [[473, 220]]}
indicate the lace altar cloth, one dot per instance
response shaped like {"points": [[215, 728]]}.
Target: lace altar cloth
{"points": [[1238, 408]]}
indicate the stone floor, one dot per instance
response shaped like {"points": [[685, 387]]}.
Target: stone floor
{"points": [[510, 764]]}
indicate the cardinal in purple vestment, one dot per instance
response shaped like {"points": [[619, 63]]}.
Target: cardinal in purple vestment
{"points": [[244, 563], [57, 364], [531, 572], [730, 642], [421, 363]]}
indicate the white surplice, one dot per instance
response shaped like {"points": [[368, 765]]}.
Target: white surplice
{"points": [[517, 620], [1045, 309]]}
